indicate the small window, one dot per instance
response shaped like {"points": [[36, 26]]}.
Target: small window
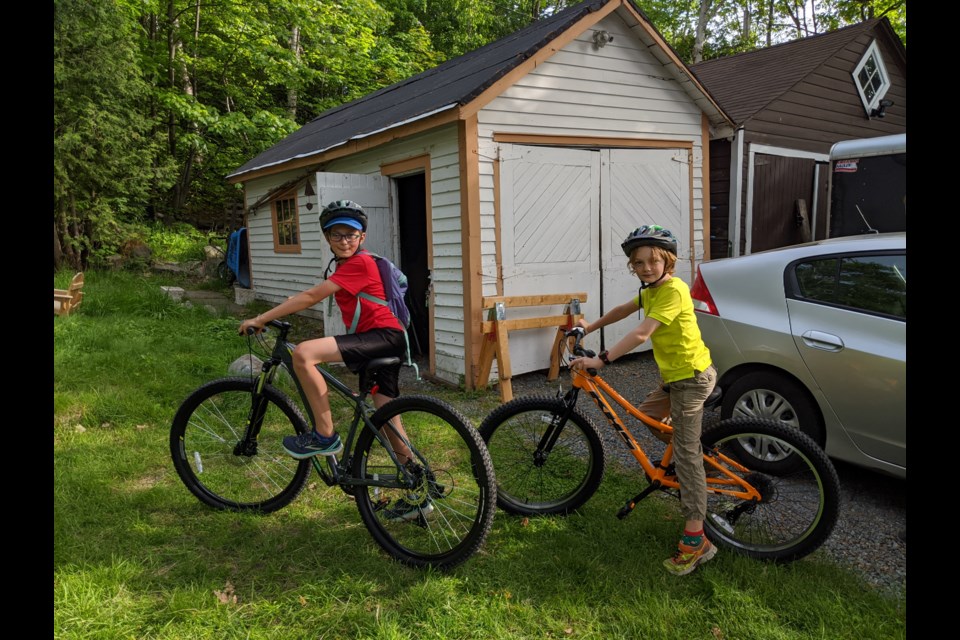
{"points": [[871, 78], [872, 284], [286, 225]]}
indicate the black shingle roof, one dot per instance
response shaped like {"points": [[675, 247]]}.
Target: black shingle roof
{"points": [[455, 82]]}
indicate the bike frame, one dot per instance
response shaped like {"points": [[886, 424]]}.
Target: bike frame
{"points": [[719, 479], [336, 474]]}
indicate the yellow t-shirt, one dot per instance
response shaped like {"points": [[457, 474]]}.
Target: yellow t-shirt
{"points": [[677, 346]]}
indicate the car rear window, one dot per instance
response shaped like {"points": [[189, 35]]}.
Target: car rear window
{"points": [[872, 284]]}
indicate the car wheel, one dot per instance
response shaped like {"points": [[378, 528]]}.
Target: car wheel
{"points": [[767, 395]]}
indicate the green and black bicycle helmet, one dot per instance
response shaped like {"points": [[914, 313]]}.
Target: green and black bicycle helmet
{"points": [[345, 212], [652, 235]]}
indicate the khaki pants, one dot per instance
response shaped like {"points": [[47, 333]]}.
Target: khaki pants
{"points": [[683, 405]]}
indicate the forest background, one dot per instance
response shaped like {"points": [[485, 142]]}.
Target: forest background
{"points": [[156, 101]]}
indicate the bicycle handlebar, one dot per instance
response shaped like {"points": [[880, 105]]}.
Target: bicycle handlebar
{"points": [[578, 334]]}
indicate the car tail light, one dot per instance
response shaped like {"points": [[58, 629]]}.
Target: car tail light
{"points": [[702, 300]]}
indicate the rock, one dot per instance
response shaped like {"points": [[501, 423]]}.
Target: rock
{"points": [[245, 366]]}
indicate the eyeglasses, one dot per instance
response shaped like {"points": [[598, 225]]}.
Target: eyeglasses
{"points": [[351, 237]]}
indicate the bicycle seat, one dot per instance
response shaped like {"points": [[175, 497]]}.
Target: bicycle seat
{"points": [[366, 383], [712, 400]]}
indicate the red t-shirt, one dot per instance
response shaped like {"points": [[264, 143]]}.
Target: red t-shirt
{"points": [[359, 273]]}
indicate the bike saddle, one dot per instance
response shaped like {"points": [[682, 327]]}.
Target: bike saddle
{"points": [[370, 367]]}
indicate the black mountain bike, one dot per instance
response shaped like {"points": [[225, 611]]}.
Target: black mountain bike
{"points": [[226, 444]]}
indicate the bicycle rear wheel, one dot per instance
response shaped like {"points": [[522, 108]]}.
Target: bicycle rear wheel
{"points": [[222, 471], [534, 480], [454, 499], [225, 273], [798, 508]]}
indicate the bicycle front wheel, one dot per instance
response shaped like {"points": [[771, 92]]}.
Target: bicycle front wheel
{"points": [[446, 516], [798, 507], [223, 469], [541, 471]]}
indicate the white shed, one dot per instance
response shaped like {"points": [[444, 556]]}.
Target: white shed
{"points": [[515, 169]]}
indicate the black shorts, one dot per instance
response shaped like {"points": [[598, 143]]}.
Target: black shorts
{"points": [[358, 349]]}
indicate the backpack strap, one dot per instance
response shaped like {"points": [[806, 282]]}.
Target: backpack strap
{"points": [[406, 337], [356, 314]]}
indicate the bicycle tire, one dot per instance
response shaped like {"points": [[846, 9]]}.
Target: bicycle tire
{"points": [[530, 484], [207, 427], [799, 507], [457, 488], [225, 273]]}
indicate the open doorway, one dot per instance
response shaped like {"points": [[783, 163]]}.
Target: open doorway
{"points": [[412, 212]]}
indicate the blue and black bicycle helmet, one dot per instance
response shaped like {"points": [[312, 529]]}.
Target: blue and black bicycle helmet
{"points": [[650, 235], [345, 212]]}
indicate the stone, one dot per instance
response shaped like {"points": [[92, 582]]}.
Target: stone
{"points": [[175, 293], [245, 366], [244, 296]]}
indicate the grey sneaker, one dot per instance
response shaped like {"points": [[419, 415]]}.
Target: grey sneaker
{"points": [[307, 445], [407, 509]]}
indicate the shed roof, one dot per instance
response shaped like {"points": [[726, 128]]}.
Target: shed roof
{"points": [[747, 82], [449, 85]]}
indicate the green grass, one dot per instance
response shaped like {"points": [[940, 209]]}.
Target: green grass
{"points": [[137, 556]]}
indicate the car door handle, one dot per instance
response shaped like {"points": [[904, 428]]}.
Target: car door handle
{"points": [[823, 341]]}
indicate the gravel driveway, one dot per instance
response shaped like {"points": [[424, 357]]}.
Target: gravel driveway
{"points": [[873, 512]]}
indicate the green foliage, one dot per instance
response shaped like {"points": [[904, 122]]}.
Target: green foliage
{"points": [[178, 242]]}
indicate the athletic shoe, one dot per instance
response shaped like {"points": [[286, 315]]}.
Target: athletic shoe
{"points": [[687, 558], [307, 445]]}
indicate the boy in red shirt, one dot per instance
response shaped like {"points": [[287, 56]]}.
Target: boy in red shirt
{"points": [[378, 335]]}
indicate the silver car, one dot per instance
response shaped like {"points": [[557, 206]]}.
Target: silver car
{"points": [[814, 335]]}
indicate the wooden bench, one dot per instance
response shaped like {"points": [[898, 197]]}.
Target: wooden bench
{"points": [[66, 300]]}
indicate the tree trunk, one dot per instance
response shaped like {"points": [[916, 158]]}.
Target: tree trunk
{"points": [[57, 249], [770, 23], [292, 88], [704, 16]]}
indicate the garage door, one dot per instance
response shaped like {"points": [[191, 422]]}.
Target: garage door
{"points": [[564, 213]]}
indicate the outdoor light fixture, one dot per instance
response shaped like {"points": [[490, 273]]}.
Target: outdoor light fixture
{"points": [[310, 195], [881, 110], [601, 38]]}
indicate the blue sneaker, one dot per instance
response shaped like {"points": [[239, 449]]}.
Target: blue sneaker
{"points": [[307, 445]]}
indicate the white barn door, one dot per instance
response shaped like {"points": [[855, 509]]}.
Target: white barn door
{"points": [[373, 194], [642, 186], [564, 213], [550, 205]]}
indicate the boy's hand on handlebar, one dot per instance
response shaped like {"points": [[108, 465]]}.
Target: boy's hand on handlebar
{"points": [[585, 363], [251, 326]]}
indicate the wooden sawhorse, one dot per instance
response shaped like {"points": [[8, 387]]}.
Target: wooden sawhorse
{"points": [[496, 331]]}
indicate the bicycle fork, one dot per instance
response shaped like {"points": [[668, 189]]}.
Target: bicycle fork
{"points": [[247, 445], [552, 433]]}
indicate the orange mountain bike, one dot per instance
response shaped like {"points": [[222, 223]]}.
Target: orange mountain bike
{"points": [[772, 493]]}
